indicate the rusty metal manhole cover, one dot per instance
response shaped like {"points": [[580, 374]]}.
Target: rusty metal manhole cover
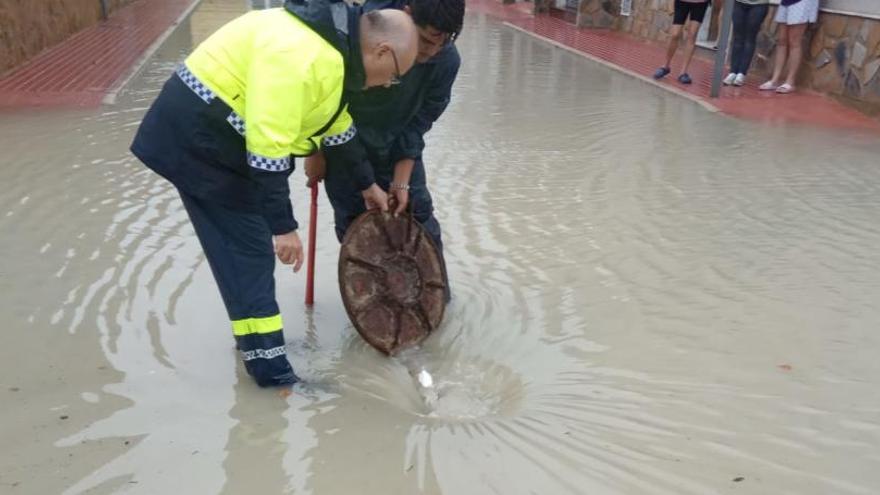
{"points": [[391, 279]]}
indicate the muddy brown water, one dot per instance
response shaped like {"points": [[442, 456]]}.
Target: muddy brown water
{"points": [[648, 299]]}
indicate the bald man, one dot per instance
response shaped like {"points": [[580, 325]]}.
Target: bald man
{"points": [[264, 88]]}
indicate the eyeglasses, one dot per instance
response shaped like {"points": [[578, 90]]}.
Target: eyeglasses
{"points": [[395, 78], [435, 39]]}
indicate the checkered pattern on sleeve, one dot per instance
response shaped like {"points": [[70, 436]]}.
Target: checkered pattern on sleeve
{"points": [[236, 122], [203, 92], [268, 164], [195, 85], [340, 139]]}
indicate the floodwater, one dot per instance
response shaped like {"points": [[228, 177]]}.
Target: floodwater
{"points": [[648, 299]]}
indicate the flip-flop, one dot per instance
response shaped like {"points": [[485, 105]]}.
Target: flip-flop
{"points": [[785, 89]]}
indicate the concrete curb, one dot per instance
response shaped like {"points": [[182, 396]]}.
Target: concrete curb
{"points": [[113, 92], [696, 99]]}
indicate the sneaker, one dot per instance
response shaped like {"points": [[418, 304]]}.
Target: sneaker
{"points": [[662, 72], [739, 80], [685, 78], [729, 79]]}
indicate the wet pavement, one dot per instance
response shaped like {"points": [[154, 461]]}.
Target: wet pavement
{"points": [[639, 58], [648, 298]]}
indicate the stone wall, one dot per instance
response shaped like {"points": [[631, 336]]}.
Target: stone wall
{"points": [[28, 27], [541, 6], [842, 55], [650, 19], [844, 58], [599, 14]]}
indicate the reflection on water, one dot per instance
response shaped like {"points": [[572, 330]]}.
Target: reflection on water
{"points": [[649, 299]]}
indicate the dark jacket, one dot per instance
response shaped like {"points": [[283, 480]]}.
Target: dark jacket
{"points": [[392, 122]]}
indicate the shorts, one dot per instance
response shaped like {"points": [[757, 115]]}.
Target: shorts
{"points": [[803, 12], [683, 10]]}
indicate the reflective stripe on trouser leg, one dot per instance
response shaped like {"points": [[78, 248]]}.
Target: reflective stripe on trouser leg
{"points": [[238, 246], [263, 351]]}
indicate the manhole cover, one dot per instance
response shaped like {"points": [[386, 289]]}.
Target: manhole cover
{"points": [[391, 279]]}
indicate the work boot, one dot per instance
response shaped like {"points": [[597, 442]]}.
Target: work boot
{"points": [[273, 372], [265, 359]]}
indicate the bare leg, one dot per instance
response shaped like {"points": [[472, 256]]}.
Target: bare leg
{"points": [[781, 53], [690, 44], [796, 49], [674, 36]]}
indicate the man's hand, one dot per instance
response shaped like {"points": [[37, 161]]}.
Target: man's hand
{"points": [[400, 185], [399, 199], [316, 168], [375, 197], [289, 250]]}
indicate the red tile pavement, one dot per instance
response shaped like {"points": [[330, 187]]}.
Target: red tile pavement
{"points": [[81, 70], [641, 59]]}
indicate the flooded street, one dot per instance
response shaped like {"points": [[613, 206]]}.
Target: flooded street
{"points": [[648, 298]]}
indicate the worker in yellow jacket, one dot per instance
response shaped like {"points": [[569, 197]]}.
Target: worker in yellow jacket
{"points": [[263, 89]]}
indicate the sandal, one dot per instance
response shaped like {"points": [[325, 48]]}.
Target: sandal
{"points": [[662, 72], [768, 86], [785, 89]]}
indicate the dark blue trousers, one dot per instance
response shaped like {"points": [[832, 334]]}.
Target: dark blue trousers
{"points": [[239, 249], [747, 22]]}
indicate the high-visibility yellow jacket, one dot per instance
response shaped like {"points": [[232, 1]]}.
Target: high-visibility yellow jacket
{"points": [[280, 77], [267, 86]]}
